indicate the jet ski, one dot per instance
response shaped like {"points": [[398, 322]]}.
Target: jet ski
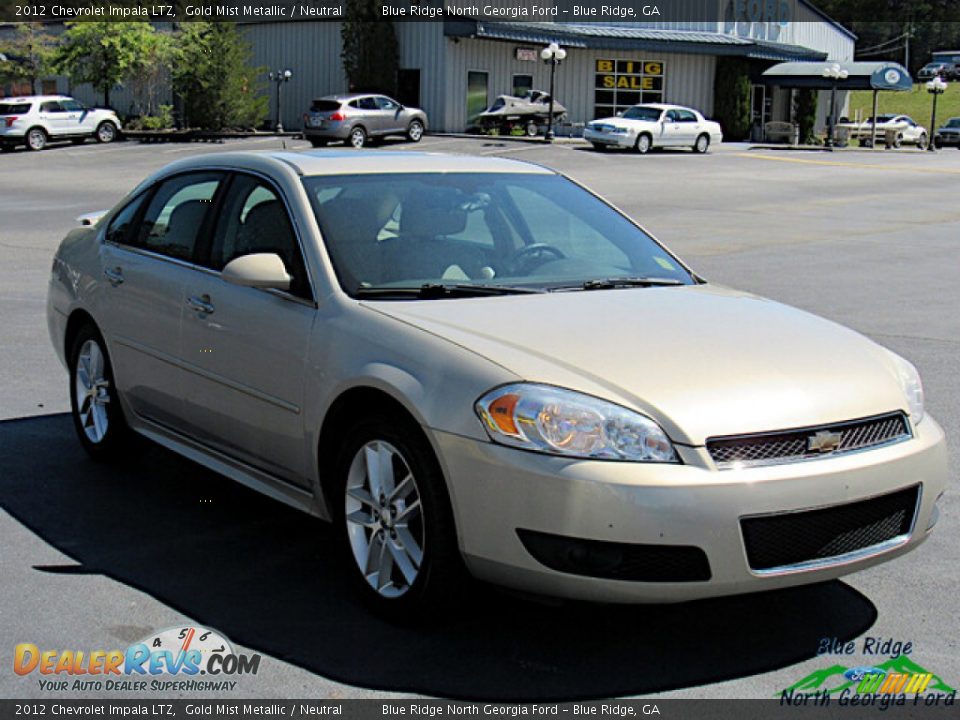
{"points": [[526, 112]]}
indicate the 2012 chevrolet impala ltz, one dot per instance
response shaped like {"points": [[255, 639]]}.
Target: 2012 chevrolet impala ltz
{"points": [[476, 364]]}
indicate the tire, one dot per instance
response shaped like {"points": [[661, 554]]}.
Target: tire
{"points": [[415, 131], [531, 129], [898, 142], [36, 139], [702, 144], [106, 132], [357, 138], [97, 415], [643, 144], [317, 142], [402, 561], [922, 142]]}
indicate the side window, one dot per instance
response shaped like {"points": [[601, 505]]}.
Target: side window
{"points": [[71, 106], [367, 103], [176, 214], [50, 107], [119, 229], [387, 104], [671, 116], [253, 219], [686, 116]]}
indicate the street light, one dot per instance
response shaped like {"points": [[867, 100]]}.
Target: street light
{"points": [[835, 74], [935, 87], [280, 77], [553, 55]]}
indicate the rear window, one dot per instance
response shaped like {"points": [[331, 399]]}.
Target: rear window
{"points": [[14, 108], [324, 106]]}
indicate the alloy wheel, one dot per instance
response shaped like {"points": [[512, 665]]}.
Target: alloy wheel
{"points": [[358, 137], [415, 131], [384, 518], [106, 132], [93, 391], [36, 139], [643, 144]]}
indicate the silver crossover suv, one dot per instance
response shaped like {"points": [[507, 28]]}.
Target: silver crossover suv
{"points": [[357, 119], [475, 364]]}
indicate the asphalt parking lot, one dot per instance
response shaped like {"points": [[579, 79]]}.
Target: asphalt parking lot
{"points": [[97, 557]]}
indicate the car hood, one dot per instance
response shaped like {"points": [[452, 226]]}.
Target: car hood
{"points": [[701, 360], [624, 122]]}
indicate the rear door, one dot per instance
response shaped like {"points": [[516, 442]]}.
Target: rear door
{"points": [[146, 258], [245, 349]]}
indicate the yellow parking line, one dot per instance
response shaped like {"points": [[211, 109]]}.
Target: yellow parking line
{"points": [[839, 163]]}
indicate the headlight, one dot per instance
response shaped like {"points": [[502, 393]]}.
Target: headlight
{"points": [[619, 130], [912, 387], [562, 422]]}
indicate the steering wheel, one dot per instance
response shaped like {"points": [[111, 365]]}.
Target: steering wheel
{"points": [[522, 259]]}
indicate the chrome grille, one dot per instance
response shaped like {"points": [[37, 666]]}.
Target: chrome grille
{"points": [[795, 445]]}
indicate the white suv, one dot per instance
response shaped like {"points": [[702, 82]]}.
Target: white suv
{"points": [[37, 119]]}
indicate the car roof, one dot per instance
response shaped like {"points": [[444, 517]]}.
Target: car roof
{"points": [[35, 98], [362, 162], [346, 97]]}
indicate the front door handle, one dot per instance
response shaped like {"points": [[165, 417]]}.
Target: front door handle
{"points": [[114, 275], [201, 305]]}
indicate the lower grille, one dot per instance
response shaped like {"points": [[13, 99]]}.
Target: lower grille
{"points": [[792, 539], [617, 561], [803, 443]]}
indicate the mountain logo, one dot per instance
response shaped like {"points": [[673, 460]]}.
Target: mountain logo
{"points": [[897, 675]]}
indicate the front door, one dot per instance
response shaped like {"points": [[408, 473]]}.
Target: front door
{"points": [[244, 349], [392, 117]]}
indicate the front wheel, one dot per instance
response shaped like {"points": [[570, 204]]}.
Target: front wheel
{"points": [[36, 139], [702, 144], [395, 522], [643, 144], [357, 138], [106, 132], [922, 142], [415, 131], [97, 415]]}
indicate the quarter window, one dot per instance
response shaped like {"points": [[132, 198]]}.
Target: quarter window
{"points": [[177, 213], [253, 219]]}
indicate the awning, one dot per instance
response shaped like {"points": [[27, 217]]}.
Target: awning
{"points": [[860, 76], [617, 37]]}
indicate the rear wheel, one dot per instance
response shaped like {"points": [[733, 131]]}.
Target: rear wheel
{"points": [[36, 139], [702, 144], [97, 415], [415, 131], [357, 138], [394, 519], [643, 144], [106, 132]]}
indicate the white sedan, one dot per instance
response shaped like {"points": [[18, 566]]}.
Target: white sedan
{"points": [[37, 119], [642, 127], [906, 128]]}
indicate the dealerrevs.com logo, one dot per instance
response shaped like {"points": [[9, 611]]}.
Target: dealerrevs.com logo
{"points": [[173, 659]]}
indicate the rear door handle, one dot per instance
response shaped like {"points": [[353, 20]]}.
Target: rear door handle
{"points": [[201, 305], [114, 275]]}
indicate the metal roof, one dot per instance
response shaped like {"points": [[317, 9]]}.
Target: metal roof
{"points": [[619, 37], [860, 75]]}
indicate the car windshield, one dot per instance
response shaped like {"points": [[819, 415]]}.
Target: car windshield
{"points": [[881, 118], [642, 112], [953, 123], [499, 232]]}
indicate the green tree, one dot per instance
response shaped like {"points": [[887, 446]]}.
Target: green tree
{"points": [[213, 75], [150, 74], [370, 51], [103, 54], [732, 93], [807, 114], [28, 53]]}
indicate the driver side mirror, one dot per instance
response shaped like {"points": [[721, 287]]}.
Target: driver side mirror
{"points": [[259, 270]]}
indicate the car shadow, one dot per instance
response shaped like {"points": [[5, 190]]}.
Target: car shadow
{"points": [[265, 575]]}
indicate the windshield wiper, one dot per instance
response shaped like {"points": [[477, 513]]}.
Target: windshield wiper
{"points": [[431, 291], [619, 282]]}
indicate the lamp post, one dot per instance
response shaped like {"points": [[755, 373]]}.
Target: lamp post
{"points": [[280, 77], [553, 55], [935, 87], [835, 74]]}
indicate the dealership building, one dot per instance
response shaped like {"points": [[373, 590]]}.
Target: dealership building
{"points": [[454, 68]]}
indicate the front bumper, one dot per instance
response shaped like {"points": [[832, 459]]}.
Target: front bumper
{"points": [[611, 139], [497, 491]]}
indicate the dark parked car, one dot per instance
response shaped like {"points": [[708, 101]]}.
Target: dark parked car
{"points": [[949, 133], [946, 70], [356, 119]]}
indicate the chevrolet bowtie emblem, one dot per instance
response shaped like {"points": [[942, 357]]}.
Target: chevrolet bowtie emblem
{"points": [[823, 442]]}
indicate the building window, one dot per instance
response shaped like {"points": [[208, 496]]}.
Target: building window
{"points": [[522, 84], [618, 84], [477, 97]]}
